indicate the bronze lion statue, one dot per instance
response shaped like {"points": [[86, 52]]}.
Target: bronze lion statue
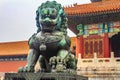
{"points": [[51, 44]]}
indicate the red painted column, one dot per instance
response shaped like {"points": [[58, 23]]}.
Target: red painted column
{"points": [[106, 46], [79, 46]]}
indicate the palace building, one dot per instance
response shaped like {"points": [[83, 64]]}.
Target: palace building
{"points": [[97, 26], [13, 55]]}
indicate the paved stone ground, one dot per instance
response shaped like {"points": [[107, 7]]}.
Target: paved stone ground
{"points": [[43, 76]]}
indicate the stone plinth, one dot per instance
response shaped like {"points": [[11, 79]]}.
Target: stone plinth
{"points": [[43, 76]]}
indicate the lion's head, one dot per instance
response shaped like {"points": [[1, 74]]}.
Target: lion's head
{"points": [[51, 16]]}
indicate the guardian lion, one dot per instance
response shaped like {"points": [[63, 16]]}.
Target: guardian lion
{"points": [[51, 44]]}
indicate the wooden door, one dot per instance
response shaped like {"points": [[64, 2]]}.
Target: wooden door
{"points": [[93, 45]]}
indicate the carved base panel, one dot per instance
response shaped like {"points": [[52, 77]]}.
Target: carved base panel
{"points": [[43, 76]]}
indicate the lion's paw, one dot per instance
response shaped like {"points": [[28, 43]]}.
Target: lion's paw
{"points": [[26, 69]]}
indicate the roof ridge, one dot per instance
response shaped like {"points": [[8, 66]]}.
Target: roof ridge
{"points": [[13, 41]]}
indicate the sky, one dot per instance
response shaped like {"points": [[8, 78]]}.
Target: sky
{"points": [[17, 18]]}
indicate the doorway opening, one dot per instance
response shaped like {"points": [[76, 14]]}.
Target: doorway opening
{"points": [[115, 44]]}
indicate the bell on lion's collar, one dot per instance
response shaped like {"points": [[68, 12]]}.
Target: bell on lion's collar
{"points": [[42, 47]]}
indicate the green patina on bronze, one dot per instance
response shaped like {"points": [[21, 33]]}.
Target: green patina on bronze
{"points": [[51, 44]]}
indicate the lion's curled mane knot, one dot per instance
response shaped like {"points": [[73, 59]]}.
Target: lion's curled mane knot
{"points": [[50, 46]]}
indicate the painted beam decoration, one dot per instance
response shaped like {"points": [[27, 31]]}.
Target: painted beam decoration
{"points": [[116, 27], [81, 30], [98, 28]]}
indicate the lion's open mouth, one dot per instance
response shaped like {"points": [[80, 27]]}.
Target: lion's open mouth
{"points": [[48, 28]]}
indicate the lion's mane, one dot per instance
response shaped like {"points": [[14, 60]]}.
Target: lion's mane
{"points": [[63, 22]]}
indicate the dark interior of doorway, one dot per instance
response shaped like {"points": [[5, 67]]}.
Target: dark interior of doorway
{"points": [[115, 44]]}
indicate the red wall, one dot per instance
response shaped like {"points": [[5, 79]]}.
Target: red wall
{"points": [[11, 66]]}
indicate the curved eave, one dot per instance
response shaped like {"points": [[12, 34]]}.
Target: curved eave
{"points": [[93, 8], [94, 12]]}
